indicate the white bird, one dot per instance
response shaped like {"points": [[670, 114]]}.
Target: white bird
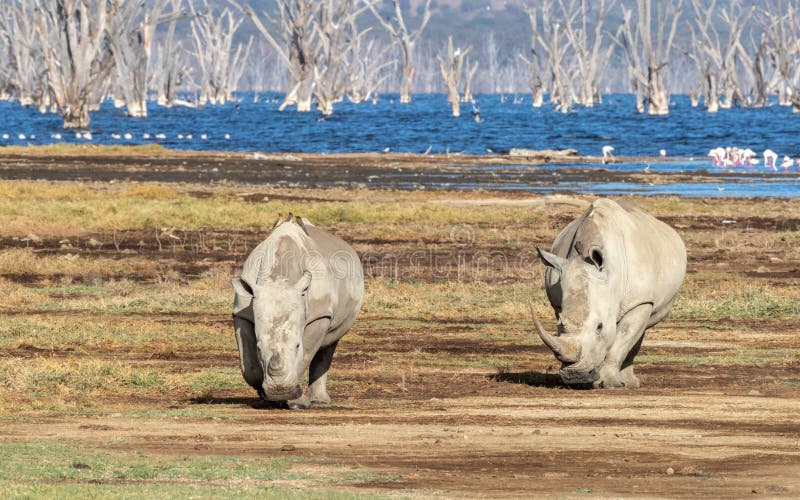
{"points": [[662, 152], [770, 157], [88, 136], [188, 136], [6, 137], [21, 137], [145, 136], [128, 136], [227, 136], [56, 136], [78, 135], [116, 136], [787, 163], [32, 137], [161, 136], [203, 136], [607, 154], [386, 150], [180, 136]]}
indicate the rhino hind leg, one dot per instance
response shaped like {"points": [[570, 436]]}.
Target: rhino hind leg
{"points": [[617, 369], [318, 375]]}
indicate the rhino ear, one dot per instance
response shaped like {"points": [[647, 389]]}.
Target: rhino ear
{"points": [[242, 287], [303, 283], [552, 260]]}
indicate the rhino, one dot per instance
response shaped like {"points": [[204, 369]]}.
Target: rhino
{"points": [[611, 274], [299, 292]]}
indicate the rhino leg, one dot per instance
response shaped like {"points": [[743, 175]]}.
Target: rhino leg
{"points": [[248, 354], [318, 375], [617, 369], [312, 339]]}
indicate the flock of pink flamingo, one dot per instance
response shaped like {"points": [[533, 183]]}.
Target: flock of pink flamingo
{"points": [[731, 157]]}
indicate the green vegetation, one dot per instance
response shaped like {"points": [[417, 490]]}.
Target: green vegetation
{"points": [[33, 470]]}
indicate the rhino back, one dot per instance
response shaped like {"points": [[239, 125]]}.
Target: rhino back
{"points": [[648, 254]]}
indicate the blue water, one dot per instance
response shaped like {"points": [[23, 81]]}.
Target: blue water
{"points": [[425, 125]]}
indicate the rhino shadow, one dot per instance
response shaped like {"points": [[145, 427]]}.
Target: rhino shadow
{"points": [[255, 403], [536, 379]]}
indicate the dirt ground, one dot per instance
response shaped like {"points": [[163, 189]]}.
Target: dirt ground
{"points": [[718, 414]]}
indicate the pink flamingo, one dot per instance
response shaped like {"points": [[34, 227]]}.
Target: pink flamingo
{"points": [[770, 157], [787, 163]]}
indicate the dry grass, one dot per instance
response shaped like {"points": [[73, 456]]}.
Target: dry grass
{"points": [[62, 149]]}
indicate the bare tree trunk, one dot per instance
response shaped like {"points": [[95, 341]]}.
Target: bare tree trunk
{"points": [[220, 66], [469, 75], [647, 46], [591, 53], [397, 28], [130, 38], [534, 61], [72, 36], [170, 70], [452, 69]]}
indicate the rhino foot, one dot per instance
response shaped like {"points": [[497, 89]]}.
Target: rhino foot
{"points": [[610, 378], [629, 378], [301, 403], [320, 398]]}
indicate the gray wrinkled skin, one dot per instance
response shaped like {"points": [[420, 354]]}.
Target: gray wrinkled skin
{"points": [[299, 292], [613, 273]]}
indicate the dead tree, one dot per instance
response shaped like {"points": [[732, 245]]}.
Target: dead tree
{"points": [[170, 69], [452, 67], [295, 44], [25, 82], [591, 50], [221, 67], [397, 28], [758, 68], [366, 67], [782, 31], [557, 48], [469, 75], [72, 36], [130, 34], [715, 55], [647, 44], [533, 60]]}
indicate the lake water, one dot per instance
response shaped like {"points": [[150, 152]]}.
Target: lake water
{"points": [[425, 125]]}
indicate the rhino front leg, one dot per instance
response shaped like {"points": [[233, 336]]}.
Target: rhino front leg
{"points": [[617, 369], [312, 340], [318, 375], [248, 353]]}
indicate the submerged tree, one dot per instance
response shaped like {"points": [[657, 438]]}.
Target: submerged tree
{"points": [[452, 67], [647, 43], [715, 55], [295, 44], [76, 55], [407, 39], [21, 71], [130, 34], [221, 66]]}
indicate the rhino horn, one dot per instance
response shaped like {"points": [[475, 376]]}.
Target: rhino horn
{"points": [[552, 260], [565, 350]]}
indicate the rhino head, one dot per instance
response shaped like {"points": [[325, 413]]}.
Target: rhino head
{"points": [[586, 309], [279, 313]]}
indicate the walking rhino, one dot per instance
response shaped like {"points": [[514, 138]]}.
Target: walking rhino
{"points": [[299, 292], [613, 272]]}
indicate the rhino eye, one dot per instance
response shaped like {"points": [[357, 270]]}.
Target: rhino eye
{"points": [[596, 255]]}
